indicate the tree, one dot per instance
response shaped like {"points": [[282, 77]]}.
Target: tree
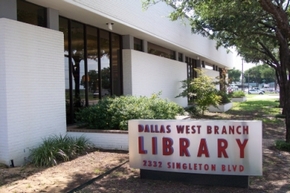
{"points": [[260, 74], [234, 75], [201, 91], [259, 30], [268, 74]]}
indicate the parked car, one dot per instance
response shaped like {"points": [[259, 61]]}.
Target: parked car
{"points": [[253, 91], [260, 89]]}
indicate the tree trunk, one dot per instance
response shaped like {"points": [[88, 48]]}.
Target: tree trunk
{"points": [[287, 109], [283, 72], [76, 75], [287, 121]]}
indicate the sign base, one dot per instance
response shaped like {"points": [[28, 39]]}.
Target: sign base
{"points": [[197, 179]]}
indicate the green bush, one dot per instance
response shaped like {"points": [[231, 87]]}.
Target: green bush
{"points": [[224, 97], [200, 91], [282, 145], [237, 94], [114, 112], [193, 110], [58, 149], [281, 116]]}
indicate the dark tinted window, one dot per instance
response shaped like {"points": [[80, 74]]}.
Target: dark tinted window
{"points": [[160, 51], [31, 13]]}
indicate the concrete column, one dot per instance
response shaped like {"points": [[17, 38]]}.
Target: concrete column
{"points": [[145, 46], [183, 57], [198, 63], [8, 9], [52, 19], [176, 55], [128, 42]]}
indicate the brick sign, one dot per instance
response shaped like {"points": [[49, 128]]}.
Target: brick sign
{"points": [[197, 146]]}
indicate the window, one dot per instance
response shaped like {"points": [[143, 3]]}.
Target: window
{"points": [[160, 51], [191, 65], [92, 65], [31, 13], [138, 44], [180, 57]]}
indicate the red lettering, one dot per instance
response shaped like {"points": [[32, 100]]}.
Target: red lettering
{"points": [[198, 127], [200, 166], [168, 128], [223, 168], [216, 129], [242, 147], [193, 131], [187, 129], [141, 145], [180, 128], [152, 128], [183, 145], [209, 130], [222, 146], [154, 145], [235, 167], [147, 130], [140, 128], [162, 129], [238, 131], [231, 129], [246, 130], [167, 146], [241, 168], [202, 148], [224, 131], [184, 166]]}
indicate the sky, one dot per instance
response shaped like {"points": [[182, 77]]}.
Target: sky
{"points": [[238, 64]]}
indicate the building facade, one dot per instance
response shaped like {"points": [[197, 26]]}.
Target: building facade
{"points": [[58, 56]]}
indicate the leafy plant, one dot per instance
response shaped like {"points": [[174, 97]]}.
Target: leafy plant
{"points": [[237, 94], [114, 112], [224, 97], [58, 149], [201, 91], [282, 145], [193, 110]]}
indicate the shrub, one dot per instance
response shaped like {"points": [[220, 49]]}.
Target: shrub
{"points": [[281, 116], [200, 91], [114, 112], [224, 97], [58, 149], [193, 110], [237, 94], [282, 145]]}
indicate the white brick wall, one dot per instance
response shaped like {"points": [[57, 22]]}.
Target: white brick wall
{"points": [[110, 141], [145, 74], [32, 103]]}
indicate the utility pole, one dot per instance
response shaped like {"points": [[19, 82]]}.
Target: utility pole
{"points": [[242, 74]]}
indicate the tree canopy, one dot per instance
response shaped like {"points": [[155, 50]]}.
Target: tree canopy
{"points": [[259, 30], [260, 74], [234, 75]]}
